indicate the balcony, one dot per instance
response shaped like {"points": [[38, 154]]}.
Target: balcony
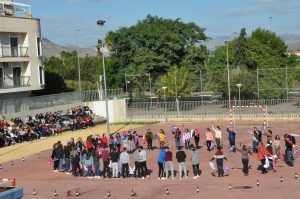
{"points": [[15, 82], [9, 8], [14, 52]]}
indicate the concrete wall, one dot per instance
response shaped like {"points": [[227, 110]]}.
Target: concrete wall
{"points": [[116, 109], [11, 106], [23, 114]]}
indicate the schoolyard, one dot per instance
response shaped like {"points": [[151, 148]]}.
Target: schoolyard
{"points": [[36, 173]]}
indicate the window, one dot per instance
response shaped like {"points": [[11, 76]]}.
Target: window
{"points": [[14, 46], [39, 46], [41, 71], [1, 78], [17, 78], [1, 48]]}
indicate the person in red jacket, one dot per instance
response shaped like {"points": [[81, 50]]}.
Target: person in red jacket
{"points": [[89, 144], [105, 157], [104, 140], [261, 155]]}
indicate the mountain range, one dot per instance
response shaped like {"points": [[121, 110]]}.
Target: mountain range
{"points": [[291, 40], [51, 49]]}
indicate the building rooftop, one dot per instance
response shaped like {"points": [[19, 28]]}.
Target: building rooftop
{"points": [[13, 9]]}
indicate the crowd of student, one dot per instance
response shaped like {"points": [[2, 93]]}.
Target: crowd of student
{"points": [[30, 128], [83, 158]]}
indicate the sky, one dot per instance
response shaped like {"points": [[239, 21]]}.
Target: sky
{"points": [[60, 19]]}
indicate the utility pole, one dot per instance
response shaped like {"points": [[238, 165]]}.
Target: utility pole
{"points": [[78, 62], [286, 82], [257, 80], [101, 23], [176, 90], [228, 75]]}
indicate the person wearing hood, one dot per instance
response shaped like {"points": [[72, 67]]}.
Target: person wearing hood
{"points": [[194, 155]]}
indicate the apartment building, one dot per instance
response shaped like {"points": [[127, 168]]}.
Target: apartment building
{"points": [[21, 66]]}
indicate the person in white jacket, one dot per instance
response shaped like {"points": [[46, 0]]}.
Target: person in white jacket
{"points": [[142, 158], [218, 134], [124, 160], [186, 137]]}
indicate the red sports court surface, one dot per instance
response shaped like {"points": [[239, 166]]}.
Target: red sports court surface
{"points": [[36, 173]]}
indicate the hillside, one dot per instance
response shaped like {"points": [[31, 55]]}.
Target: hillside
{"points": [[292, 41], [51, 49]]}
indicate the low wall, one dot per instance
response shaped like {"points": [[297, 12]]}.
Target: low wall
{"points": [[23, 114], [116, 109]]}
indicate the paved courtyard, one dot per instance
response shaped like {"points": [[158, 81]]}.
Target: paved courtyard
{"points": [[36, 173]]}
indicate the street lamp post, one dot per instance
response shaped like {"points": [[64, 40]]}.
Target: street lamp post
{"points": [[101, 23], [78, 62], [127, 82], [239, 87], [228, 75], [164, 88]]}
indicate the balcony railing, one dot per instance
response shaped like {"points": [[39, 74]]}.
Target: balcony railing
{"points": [[14, 82], [14, 51]]}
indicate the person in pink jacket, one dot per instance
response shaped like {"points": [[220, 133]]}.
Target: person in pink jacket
{"points": [[209, 138]]}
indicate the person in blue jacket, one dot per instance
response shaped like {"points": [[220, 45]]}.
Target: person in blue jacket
{"points": [[160, 161], [231, 138]]}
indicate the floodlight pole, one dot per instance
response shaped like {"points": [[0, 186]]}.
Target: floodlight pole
{"points": [[164, 88], [257, 79], [286, 82], [239, 87], [78, 61], [228, 75], [101, 23]]}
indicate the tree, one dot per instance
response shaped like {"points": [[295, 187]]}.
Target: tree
{"points": [[54, 84], [65, 67], [241, 46], [153, 45], [265, 50], [262, 50], [176, 79]]}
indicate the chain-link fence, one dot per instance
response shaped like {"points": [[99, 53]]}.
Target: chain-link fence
{"points": [[157, 108], [99, 95], [212, 109]]}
